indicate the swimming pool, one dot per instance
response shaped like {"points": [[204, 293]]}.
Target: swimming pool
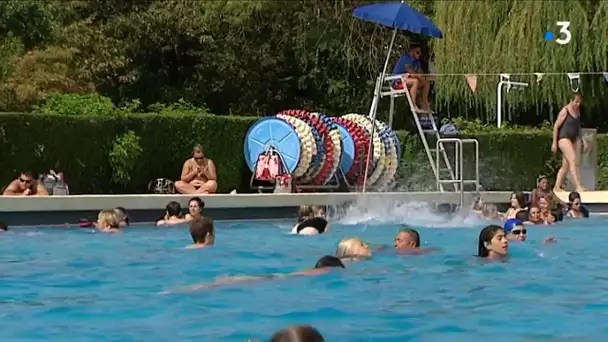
{"points": [[76, 285]]}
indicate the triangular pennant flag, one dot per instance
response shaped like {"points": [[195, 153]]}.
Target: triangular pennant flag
{"points": [[606, 77], [575, 81], [471, 81], [539, 77]]}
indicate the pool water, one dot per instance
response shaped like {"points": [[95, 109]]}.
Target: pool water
{"points": [[77, 285]]}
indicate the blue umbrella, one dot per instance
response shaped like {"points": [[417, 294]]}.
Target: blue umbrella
{"points": [[398, 16]]}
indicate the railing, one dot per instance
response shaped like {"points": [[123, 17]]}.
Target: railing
{"points": [[459, 165]]}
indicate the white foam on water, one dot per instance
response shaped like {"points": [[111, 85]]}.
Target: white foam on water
{"points": [[377, 212]]}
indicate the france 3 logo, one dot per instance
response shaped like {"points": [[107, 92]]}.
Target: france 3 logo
{"points": [[564, 35]]}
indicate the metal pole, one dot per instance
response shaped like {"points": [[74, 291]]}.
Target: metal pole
{"points": [[374, 109], [499, 104]]}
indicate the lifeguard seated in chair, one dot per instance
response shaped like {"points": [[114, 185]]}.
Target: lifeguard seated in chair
{"points": [[411, 70]]}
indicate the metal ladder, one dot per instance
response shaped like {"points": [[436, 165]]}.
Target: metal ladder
{"points": [[459, 165], [438, 170]]}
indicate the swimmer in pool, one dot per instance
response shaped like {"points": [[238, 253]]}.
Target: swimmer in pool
{"points": [[311, 221], [493, 243], [407, 241], [173, 215], [515, 230], [202, 231], [323, 266], [518, 203], [297, 333], [122, 216], [107, 221], [353, 249], [195, 208], [3, 227]]}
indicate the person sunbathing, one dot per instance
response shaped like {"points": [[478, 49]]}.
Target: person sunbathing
{"points": [[198, 174]]}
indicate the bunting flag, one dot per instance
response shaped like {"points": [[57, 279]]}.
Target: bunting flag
{"points": [[606, 77], [539, 77], [575, 81], [471, 81]]}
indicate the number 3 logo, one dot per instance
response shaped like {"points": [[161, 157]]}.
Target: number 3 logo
{"points": [[564, 32]]}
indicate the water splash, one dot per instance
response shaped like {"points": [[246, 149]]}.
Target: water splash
{"points": [[377, 212]]}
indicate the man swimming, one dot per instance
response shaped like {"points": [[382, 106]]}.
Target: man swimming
{"points": [[323, 266]]}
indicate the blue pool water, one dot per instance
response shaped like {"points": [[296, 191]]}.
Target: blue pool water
{"points": [[76, 285]]}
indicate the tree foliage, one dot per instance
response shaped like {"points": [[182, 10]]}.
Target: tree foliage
{"points": [[258, 57]]}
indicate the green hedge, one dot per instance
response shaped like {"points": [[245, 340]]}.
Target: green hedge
{"points": [[80, 146], [85, 148]]}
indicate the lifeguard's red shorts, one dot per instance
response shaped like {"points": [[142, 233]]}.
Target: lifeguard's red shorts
{"points": [[397, 85]]}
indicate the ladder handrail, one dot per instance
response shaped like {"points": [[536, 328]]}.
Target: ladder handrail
{"points": [[459, 174]]}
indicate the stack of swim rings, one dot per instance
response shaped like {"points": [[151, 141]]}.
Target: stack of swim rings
{"points": [[315, 147]]}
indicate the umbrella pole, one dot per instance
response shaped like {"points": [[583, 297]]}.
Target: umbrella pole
{"points": [[374, 109]]}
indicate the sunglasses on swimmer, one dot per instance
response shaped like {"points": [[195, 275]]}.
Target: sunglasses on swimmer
{"points": [[519, 231]]}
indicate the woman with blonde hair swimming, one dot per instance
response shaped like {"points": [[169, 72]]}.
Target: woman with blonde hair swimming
{"points": [[353, 249], [566, 137], [107, 221]]}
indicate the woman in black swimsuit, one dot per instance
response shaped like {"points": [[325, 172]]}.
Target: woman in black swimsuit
{"points": [[566, 136]]}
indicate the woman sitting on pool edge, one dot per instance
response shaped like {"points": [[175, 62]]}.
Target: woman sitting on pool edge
{"points": [[323, 266], [493, 243], [173, 215], [311, 221]]}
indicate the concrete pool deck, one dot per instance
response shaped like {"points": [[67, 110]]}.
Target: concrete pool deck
{"points": [[62, 210], [57, 210]]}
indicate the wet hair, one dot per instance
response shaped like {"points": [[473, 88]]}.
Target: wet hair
{"points": [[329, 261], [574, 196], [122, 215], [488, 208], [173, 209], [523, 215], [345, 246], [297, 333], [198, 200], [202, 228], [305, 212], [477, 204], [521, 198], [3, 226], [413, 233], [109, 217], [577, 94], [485, 236]]}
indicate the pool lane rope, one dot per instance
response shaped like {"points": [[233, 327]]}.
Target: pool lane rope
{"points": [[355, 174], [308, 147], [333, 148], [319, 171], [391, 163], [320, 146], [378, 152]]}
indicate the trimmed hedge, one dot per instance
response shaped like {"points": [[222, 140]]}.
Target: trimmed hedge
{"points": [[80, 146]]}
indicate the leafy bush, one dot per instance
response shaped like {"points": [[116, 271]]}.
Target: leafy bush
{"points": [[125, 153], [77, 104]]}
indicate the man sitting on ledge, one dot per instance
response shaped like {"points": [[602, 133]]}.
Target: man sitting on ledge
{"points": [[198, 175], [25, 185]]}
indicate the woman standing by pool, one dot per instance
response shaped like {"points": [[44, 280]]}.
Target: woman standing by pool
{"points": [[493, 243], [566, 137]]}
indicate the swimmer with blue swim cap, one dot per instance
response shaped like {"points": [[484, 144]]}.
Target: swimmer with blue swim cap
{"points": [[515, 230]]}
